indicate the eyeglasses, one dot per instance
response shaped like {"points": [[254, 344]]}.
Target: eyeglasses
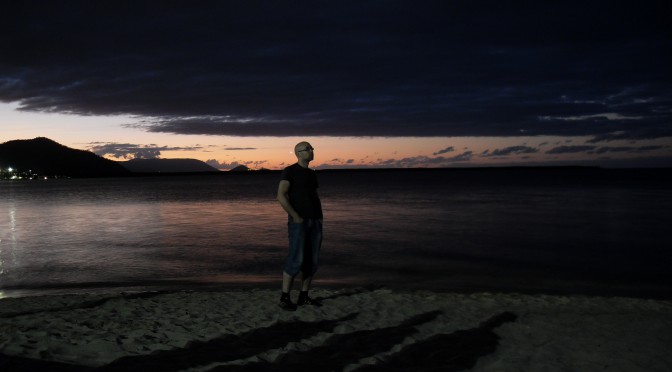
{"points": [[307, 149]]}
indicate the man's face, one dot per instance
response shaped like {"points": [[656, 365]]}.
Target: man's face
{"points": [[304, 151]]}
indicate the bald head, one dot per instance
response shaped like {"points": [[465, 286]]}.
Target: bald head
{"points": [[301, 146], [304, 153]]}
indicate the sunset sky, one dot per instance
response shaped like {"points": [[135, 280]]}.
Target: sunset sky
{"points": [[368, 83]]}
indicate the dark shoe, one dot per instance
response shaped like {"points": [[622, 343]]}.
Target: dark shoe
{"points": [[308, 301], [287, 305]]}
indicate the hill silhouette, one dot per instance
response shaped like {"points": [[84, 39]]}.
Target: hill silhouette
{"points": [[49, 158], [167, 166], [240, 168]]}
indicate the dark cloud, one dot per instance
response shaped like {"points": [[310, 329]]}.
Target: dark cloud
{"points": [[465, 156], [644, 134], [652, 148], [570, 149], [444, 151], [347, 68], [512, 150], [605, 149], [632, 149], [239, 148], [132, 151], [424, 161]]}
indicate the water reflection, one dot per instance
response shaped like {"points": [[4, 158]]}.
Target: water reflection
{"points": [[8, 241], [441, 234], [85, 242]]}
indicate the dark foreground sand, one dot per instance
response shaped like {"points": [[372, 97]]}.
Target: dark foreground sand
{"points": [[356, 329]]}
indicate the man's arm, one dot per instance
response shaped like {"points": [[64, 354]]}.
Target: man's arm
{"points": [[283, 189]]}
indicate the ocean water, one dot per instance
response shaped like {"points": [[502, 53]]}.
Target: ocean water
{"points": [[567, 230]]}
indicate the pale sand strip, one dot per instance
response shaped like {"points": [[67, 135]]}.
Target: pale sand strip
{"points": [[356, 328]]}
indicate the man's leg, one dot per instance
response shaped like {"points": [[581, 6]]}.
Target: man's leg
{"points": [[296, 234], [287, 282], [304, 299], [314, 244], [286, 301], [305, 283]]}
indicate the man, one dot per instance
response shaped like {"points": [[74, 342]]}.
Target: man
{"points": [[297, 193]]}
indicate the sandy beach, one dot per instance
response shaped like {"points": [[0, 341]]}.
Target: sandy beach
{"points": [[356, 329]]}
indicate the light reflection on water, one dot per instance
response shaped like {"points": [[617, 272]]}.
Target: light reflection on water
{"points": [[86, 232], [141, 241], [8, 241], [434, 231]]}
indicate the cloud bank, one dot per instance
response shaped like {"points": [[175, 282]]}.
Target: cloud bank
{"points": [[133, 151], [347, 68]]}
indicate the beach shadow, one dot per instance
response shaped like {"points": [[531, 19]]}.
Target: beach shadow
{"points": [[352, 292], [456, 351], [225, 348], [339, 350], [19, 364]]}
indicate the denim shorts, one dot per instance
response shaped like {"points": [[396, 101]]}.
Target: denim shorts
{"points": [[305, 240]]}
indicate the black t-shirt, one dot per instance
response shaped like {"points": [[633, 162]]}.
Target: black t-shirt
{"points": [[303, 191]]}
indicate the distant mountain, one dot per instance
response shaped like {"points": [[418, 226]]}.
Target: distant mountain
{"points": [[167, 166], [240, 168], [48, 158]]}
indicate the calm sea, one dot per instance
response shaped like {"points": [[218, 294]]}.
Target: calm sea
{"points": [[566, 230]]}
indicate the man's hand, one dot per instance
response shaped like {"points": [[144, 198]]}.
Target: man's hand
{"points": [[297, 219]]}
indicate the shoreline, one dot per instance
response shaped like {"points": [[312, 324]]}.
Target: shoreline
{"points": [[629, 289], [356, 329]]}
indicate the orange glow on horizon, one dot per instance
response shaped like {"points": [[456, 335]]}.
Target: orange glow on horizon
{"points": [[226, 152]]}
